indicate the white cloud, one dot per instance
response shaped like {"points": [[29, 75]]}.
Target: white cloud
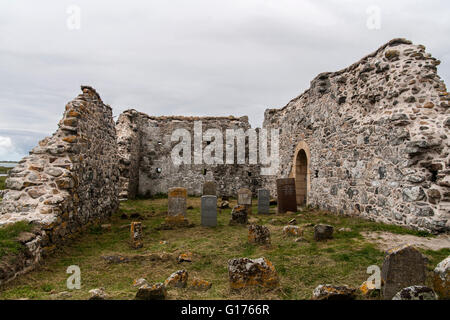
{"points": [[6, 148], [5, 143]]}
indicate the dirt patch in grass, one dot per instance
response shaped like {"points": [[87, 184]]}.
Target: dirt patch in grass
{"points": [[387, 240], [301, 266]]}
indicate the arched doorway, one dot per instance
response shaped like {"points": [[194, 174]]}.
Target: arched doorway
{"points": [[301, 173], [301, 183]]}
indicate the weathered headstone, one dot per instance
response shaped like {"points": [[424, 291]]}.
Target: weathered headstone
{"points": [[293, 231], [263, 201], [332, 292], [209, 188], [403, 266], [209, 211], [239, 215], [258, 234], [244, 273], [245, 199], [177, 201], [157, 291], [178, 279], [136, 235], [286, 195], [323, 232]]}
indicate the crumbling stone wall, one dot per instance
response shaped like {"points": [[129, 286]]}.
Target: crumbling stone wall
{"points": [[145, 156], [68, 181], [378, 138], [129, 146]]}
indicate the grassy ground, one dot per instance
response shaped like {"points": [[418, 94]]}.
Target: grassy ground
{"points": [[2, 183], [8, 234], [301, 266], [4, 169]]}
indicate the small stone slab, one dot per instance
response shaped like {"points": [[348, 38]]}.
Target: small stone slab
{"points": [[152, 292], [136, 235], [178, 279], [331, 292], [293, 231], [415, 293], [323, 232], [245, 199], [286, 195], [239, 215], [263, 201], [258, 234], [209, 211], [244, 273], [177, 201]]}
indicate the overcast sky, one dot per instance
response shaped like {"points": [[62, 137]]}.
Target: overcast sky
{"points": [[196, 57]]}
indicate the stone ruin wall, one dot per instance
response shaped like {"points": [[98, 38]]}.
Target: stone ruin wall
{"points": [[378, 137], [68, 181], [145, 146]]}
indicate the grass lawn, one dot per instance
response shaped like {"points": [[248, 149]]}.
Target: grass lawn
{"points": [[301, 266]]}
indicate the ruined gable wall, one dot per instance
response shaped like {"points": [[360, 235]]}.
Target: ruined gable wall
{"points": [[378, 134], [68, 181], [154, 152]]}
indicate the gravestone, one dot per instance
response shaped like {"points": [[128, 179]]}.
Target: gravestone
{"points": [[245, 199], [323, 232], [209, 188], [286, 196], [403, 267], [209, 211], [177, 201], [136, 235], [263, 201], [239, 216]]}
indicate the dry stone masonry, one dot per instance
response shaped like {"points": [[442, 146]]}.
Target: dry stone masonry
{"points": [[372, 140], [146, 165], [70, 180]]}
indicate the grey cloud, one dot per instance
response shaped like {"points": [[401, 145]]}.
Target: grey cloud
{"points": [[200, 57]]}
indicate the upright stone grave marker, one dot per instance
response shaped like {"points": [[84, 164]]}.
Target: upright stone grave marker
{"points": [[177, 202], [136, 235], [245, 199], [403, 267], [263, 201], [286, 195], [209, 188], [209, 211]]}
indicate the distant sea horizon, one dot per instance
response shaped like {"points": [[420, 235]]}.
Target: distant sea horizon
{"points": [[8, 164]]}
